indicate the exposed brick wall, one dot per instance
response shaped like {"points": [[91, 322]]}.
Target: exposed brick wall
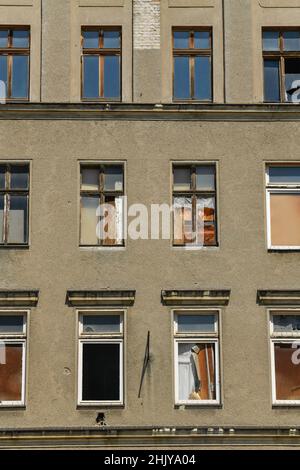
{"points": [[146, 22]]}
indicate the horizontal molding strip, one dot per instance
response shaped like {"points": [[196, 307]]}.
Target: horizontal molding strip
{"points": [[195, 297], [100, 298], [19, 298], [278, 297]]}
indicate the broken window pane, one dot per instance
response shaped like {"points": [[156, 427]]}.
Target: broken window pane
{"points": [[202, 78], [182, 77], [112, 77], [91, 76], [271, 80], [284, 174], [291, 41], [286, 323], [287, 372], [20, 76], [90, 39], [205, 218], [196, 323], [89, 179], [89, 220], [292, 77], [11, 357], [181, 39], [11, 323], [113, 178], [2, 176], [101, 372], [111, 39], [101, 323], [271, 41], [196, 371], [20, 38], [202, 39], [285, 219], [18, 216], [183, 221], [113, 222], [182, 178], [1, 218], [19, 178], [205, 177], [3, 73], [3, 38]]}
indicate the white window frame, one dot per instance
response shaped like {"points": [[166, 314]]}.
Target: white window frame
{"points": [[276, 338], [17, 338], [100, 338], [213, 338], [277, 188]]}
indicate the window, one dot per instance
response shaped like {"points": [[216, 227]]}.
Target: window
{"points": [[14, 62], [100, 357], [12, 358], [283, 206], [101, 193], [14, 203], [285, 356], [196, 357], [192, 64], [194, 205], [281, 54], [101, 64]]}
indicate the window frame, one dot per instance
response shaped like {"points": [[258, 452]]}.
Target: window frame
{"points": [[101, 192], [206, 338], [278, 188], [191, 52], [281, 55], [100, 338], [17, 338], [194, 192], [276, 338], [10, 51], [101, 52]]}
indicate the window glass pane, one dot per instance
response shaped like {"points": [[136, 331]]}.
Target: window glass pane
{"points": [[11, 323], [291, 41], [292, 77], [11, 371], [181, 39], [183, 221], [89, 220], [202, 78], [101, 372], [196, 371], [205, 219], [20, 76], [17, 220], [181, 77], [101, 323], [202, 39], [285, 219], [19, 178], [113, 178], [182, 178], [112, 77], [3, 38], [111, 39], [287, 372], [20, 38], [205, 177], [112, 233], [1, 218], [91, 76], [286, 323], [271, 80], [284, 174], [270, 41], [3, 75], [196, 323], [90, 39], [90, 179], [2, 176]]}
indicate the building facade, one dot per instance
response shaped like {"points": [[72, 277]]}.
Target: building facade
{"points": [[158, 341]]}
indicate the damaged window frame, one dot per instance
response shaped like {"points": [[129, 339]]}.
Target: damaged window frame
{"points": [[278, 188], [21, 339], [101, 338], [280, 55], [197, 337], [281, 338]]}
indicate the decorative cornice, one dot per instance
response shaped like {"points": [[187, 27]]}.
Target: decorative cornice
{"points": [[99, 298], [278, 297], [195, 297], [19, 298]]}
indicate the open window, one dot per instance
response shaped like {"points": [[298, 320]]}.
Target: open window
{"points": [[285, 355], [196, 344], [100, 377]]}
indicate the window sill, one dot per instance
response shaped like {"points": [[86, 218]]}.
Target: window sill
{"points": [[191, 100], [189, 405], [284, 249], [14, 247], [12, 406], [102, 248], [286, 404], [100, 100], [97, 405], [195, 248]]}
